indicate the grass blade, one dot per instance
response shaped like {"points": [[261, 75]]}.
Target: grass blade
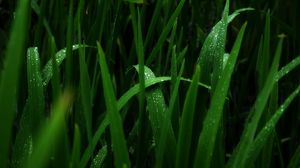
{"points": [[295, 160], [240, 154], [185, 130], [10, 77], [99, 158], [121, 157], [212, 120]]}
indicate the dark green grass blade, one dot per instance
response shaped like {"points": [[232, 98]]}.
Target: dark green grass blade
{"points": [[52, 132], [162, 141], [212, 120], [262, 137], [295, 160], [69, 52], [165, 33], [10, 78], [121, 158], [240, 154], [185, 128]]}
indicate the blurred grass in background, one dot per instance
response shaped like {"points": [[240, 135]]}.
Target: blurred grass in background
{"points": [[136, 83]]}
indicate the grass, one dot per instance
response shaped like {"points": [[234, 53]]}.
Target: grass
{"points": [[138, 83]]}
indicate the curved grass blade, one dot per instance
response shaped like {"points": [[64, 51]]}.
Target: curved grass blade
{"points": [[213, 117], [121, 157], [165, 33], [186, 124], [51, 133], [47, 72], [212, 52], [10, 77], [241, 152], [262, 138], [157, 113]]}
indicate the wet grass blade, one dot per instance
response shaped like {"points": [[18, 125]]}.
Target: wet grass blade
{"points": [[240, 154], [121, 158], [212, 52], [99, 158], [52, 132], [262, 137], [288, 68], [185, 128], [212, 120], [10, 77]]}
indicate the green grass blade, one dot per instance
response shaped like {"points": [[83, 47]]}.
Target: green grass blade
{"points": [[52, 132], [262, 137], [10, 77], [165, 33], [185, 129], [121, 157], [212, 52], [212, 120], [240, 154], [36, 99], [288, 68], [162, 141]]}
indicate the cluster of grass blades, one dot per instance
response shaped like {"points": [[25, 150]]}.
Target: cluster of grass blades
{"points": [[120, 94]]}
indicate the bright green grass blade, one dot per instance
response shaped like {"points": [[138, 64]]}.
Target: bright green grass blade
{"points": [[211, 55], [120, 104], [52, 132], [121, 157], [288, 68], [165, 33], [76, 148], [162, 141], [47, 72], [99, 158], [212, 120], [36, 99], [157, 108], [240, 154], [10, 77], [85, 94], [262, 138], [232, 16], [186, 124], [295, 160]]}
